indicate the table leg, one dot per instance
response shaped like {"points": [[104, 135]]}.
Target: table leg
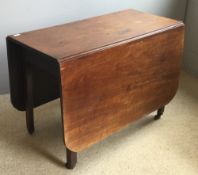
{"points": [[159, 113], [71, 159], [29, 100]]}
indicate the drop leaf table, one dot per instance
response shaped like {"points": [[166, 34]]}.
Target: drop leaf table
{"points": [[108, 72]]}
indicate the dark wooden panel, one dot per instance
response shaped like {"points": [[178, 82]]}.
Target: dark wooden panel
{"points": [[45, 75], [105, 91], [15, 55]]}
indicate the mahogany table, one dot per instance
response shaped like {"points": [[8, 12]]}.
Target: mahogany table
{"points": [[108, 72]]}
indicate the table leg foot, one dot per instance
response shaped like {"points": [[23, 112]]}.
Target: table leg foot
{"points": [[71, 159], [159, 113]]}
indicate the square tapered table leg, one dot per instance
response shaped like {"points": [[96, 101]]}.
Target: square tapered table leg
{"points": [[71, 159], [29, 100]]}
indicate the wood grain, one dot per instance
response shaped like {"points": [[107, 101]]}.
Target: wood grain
{"points": [[73, 39], [105, 91]]}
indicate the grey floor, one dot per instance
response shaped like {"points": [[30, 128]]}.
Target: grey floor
{"points": [[165, 147]]}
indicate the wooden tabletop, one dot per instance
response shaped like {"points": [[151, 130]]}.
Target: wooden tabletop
{"points": [[75, 39]]}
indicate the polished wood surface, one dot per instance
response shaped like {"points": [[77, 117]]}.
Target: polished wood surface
{"points": [[105, 91], [108, 71], [76, 38]]}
